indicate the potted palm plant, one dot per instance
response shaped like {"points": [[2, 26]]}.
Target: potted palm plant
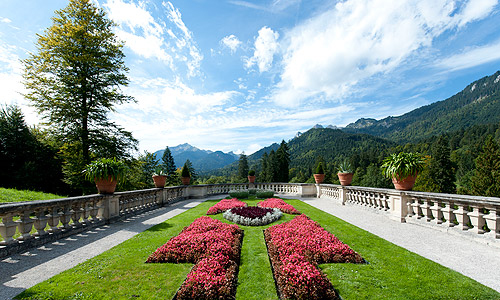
{"points": [[159, 178], [105, 172], [345, 173], [185, 175], [403, 169], [251, 176], [319, 176]]}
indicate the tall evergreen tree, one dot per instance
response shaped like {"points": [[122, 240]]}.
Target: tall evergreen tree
{"points": [[442, 169], [74, 80], [264, 162], [168, 163], [486, 181], [272, 167], [243, 166], [194, 175], [282, 162]]}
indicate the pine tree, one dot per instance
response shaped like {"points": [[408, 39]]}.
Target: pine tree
{"points": [[282, 162], [168, 163], [194, 175], [243, 166], [264, 162], [272, 167], [442, 169], [74, 80], [486, 181]]}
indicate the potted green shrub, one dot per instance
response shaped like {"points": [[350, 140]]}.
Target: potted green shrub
{"points": [[159, 178], [345, 173], [251, 176], [105, 172], [403, 169], [185, 175], [319, 175]]}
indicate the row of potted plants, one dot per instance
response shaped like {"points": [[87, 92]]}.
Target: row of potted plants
{"points": [[280, 204], [402, 168], [295, 249], [214, 247], [224, 205]]}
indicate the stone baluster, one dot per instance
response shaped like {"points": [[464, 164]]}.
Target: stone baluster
{"points": [[411, 209], [65, 217], [436, 212], [87, 210], [40, 222], [477, 219], [417, 208], [76, 214], [493, 222], [462, 217], [53, 219], [94, 210], [25, 224], [449, 214], [8, 229], [426, 210]]}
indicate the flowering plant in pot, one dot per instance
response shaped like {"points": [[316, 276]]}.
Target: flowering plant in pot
{"points": [[251, 176], [105, 172], [319, 175], [185, 174], [159, 178], [345, 173], [403, 169]]}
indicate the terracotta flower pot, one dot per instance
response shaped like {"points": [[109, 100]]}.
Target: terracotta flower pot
{"points": [[251, 179], [105, 186], [405, 184], [345, 178], [319, 178], [160, 180], [185, 180]]}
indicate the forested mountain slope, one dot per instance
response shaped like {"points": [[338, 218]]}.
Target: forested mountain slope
{"points": [[478, 103]]}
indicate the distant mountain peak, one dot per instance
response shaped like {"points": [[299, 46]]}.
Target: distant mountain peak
{"points": [[317, 126]]}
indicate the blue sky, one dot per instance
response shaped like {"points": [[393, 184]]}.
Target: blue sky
{"points": [[237, 75]]}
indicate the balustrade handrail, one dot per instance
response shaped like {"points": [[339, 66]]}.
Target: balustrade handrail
{"points": [[455, 197]]}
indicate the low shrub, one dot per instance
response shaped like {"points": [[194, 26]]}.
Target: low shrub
{"points": [[239, 194], [279, 203], [224, 205], [295, 260], [214, 247], [253, 215], [252, 191], [264, 194]]}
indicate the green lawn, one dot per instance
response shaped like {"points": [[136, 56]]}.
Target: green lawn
{"points": [[391, 273], [13, 195]]}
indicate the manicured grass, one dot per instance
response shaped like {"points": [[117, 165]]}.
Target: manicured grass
{"points": [[391, 272], [13, 195]]}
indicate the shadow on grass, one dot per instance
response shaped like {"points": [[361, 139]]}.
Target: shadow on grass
{"points": [[160, 227]]}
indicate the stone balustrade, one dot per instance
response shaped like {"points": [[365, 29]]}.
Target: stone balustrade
{"points": [[29, 224]]}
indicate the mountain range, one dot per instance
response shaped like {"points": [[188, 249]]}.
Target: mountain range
{"points": [[476, 104], [202, 160]]}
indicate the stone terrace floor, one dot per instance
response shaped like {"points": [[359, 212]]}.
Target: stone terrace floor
{"points": [[469, 257]]}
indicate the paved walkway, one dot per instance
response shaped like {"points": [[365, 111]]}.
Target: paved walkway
{"points": [[21, 271], [476, 260]]}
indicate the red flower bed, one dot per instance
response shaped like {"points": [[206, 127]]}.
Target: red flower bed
{"points": [[224, 205], [215, 249], [251, 212], [279, 203], [295, 249]]}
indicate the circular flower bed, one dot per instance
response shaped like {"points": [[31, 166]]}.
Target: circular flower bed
{"points": [[252, 215]]}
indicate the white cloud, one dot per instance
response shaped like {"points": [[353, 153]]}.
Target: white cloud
{"points": [[266, 45], [231, 42], [326, 56], [170, 42], [471, 57], [5, 20]]}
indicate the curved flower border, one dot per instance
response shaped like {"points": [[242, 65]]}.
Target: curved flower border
{"points": [[224, 205], [279, 203], [214, 247], [295, 249], [270, 217]]}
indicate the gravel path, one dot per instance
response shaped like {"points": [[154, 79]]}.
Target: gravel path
{"points": [[21, 271], [454, 250]]}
